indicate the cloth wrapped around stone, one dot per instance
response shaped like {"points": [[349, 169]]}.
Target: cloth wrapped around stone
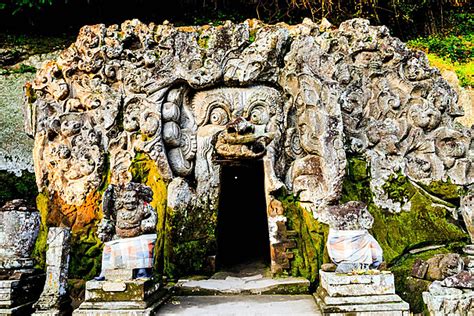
{"points": [[129, 253], [354, 246]]}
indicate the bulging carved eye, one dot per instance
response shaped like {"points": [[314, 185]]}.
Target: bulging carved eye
{"points": [[218, 116], [259, 115]]}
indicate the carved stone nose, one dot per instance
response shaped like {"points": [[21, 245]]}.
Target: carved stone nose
{"points": [[240, 126]]}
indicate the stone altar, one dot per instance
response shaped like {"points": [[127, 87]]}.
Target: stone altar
{"points": [[20, 282], [343, 294]]}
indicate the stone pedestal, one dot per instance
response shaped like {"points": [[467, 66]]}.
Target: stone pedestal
{"points": [[132, 297], [342, 294], [18, 295]]}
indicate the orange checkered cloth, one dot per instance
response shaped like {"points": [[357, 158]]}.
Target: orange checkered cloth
{"points": [[353, 246], [129, 253]]}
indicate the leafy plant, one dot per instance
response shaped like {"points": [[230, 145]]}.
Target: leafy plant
{"points": [[454, 48]]}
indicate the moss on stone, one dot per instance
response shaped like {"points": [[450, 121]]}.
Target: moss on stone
{"points": [[203, 41], [311, 239], [190, 241], [409, 288], [398, 188], [445, 190], [39, 251], [427, 222], [144, 170]]}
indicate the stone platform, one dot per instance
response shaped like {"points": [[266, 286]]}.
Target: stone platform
{"points": [[256, 284], [18, 295], [133, 297], [342, 294]]}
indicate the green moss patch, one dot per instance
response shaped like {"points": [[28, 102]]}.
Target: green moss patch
{"points": [[409, 288], [310, 253], [427, 222], [144, 170]]}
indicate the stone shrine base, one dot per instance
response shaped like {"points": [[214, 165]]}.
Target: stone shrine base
{"points": [[18, 295], [342, 294], [132, 297]]}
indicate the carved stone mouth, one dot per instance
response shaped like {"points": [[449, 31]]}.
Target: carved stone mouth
{"points": [[247, 146]]}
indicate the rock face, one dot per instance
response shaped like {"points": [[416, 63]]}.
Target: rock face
{"points": [[188, 99]]}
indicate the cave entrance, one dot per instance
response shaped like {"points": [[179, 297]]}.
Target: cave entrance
{"points": [[242, 229]]}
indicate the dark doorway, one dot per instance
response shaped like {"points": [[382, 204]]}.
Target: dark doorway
{"points": [[242, 229]]}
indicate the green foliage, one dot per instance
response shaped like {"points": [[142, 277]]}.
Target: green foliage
{"points": [[17, 70], [19, 5], [13, 187], [453, 48]]}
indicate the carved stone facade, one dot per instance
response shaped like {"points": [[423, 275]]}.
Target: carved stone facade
{"points": [[300, 98]]}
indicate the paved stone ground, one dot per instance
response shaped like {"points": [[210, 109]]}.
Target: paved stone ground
{"points": [[248, 305]]}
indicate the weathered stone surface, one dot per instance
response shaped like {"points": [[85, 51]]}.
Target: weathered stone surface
{"points": [[419, 269], [442, 300], [247, 304], [245, 285], [109, 291], [136, 297], [357, 285], [53, 296], [297, 97], [18, 232], [359, 295], [444, 265]]}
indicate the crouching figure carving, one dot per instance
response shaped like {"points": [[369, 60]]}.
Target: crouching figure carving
{"points": [[128, 230], [350, 246]]}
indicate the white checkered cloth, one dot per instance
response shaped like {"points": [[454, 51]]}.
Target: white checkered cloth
{"points": [[353, 246], [129, 253]]}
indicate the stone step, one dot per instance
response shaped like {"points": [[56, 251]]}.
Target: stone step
{"points": [[135, 290], [357, 285], [253, 285], [354, 300], [248, 305], [394, 308]]}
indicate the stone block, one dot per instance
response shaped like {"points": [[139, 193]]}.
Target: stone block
{"points": [[354, 300], [357, 285], [118, 274], [340, 294], [15, 293], [54, 296], [419, 269], [21, 310], [136, 290], [394, 308], [134, 297]]}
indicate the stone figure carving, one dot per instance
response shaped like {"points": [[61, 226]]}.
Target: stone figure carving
{"points": [[299, 97], [350, 245], [128, 229]]}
